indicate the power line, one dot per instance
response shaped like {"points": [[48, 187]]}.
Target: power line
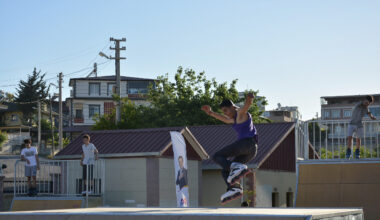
{"points": [[68, 74], [61, 59]]}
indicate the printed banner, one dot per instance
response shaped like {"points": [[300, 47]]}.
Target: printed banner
{"points": [[180, 169]]}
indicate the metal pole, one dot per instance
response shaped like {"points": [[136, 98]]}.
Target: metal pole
{"points": [[39, 124], [51, 126], [60, 111]]}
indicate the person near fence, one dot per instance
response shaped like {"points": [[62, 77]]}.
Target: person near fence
{"points": [[242, 151], [30, 155], [356, 125], [89, 155]]}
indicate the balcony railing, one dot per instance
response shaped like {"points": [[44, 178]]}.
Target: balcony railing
{"points": [[329, 138]]}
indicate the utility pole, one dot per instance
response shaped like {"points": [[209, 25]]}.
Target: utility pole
{"points": [[60, 110], [51, 125], [39, 124], [117, 59]]}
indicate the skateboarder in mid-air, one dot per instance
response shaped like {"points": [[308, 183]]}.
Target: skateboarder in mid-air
{"points": [[243, 150]]}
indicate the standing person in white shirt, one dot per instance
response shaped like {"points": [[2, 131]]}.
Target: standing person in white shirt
{"points": [[30, 155], [89, 155]]}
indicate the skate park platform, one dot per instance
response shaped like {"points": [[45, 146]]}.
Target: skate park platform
{"points": [[187, 214], [46, 203], [340, 183]]}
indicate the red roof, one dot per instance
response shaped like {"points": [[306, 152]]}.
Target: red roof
{"points": [[123, 141], [215, 137], [212, 138]]}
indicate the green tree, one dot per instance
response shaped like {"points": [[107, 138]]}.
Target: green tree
{"points": [[29, 91], [6, 96], [178, 103], [3, 138]]}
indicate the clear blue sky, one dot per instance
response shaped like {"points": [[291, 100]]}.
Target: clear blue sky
{"points": [[292, 51]]}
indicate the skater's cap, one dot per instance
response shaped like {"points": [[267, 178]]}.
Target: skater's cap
{"points": [[227, 103]]}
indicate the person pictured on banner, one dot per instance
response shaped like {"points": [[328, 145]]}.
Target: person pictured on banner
{"points": [[182, 174], [182, 182], [242, 151]]}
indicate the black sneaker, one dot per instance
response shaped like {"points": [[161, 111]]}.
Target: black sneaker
{"points": [[34, 192], [30, 192], [357, 154], [348, 153], [231, 194]]}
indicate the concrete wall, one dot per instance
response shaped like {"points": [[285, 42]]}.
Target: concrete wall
{"points": [[125, 180], [266, 183], [213, 187], [167, 197]]}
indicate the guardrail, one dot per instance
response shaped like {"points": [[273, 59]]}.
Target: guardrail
{"points": [[61, 178], [329, 138]]}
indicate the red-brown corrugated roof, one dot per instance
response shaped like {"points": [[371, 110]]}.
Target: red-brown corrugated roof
{"points": [[123, 141], [212, 138]]}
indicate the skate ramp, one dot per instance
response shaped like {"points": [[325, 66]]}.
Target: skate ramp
{"points": [[45, 203], [340, 183], [187, 214]]}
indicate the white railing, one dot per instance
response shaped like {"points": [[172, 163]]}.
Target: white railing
{"points": [[329, 138], [61, 178], [301, 140]]}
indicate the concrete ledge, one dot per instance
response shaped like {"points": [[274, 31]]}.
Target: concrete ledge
{"points": [[188, 213]]}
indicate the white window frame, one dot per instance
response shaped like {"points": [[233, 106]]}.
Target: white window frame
{"points": [[89, 110], [338, 115]]}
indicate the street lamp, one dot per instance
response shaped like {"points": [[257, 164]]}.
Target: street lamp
{"points": [[103, 55]]}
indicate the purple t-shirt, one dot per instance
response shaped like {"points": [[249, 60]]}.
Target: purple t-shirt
{"points": [[245, 129]]}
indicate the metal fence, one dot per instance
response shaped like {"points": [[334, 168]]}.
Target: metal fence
{"points": [[329, 139], [62, 178]]}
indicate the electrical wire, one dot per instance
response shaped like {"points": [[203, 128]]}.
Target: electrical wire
{"points": [[65, 75]]}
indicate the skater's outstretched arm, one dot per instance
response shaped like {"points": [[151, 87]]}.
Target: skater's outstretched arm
{"points": [[207, 109], [247, 104]]}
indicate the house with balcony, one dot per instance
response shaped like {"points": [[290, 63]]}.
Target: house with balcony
{"points": [[12, 123], [92, 96]]}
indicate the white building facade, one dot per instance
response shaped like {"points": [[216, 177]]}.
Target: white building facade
{"points": [[92, 96]]}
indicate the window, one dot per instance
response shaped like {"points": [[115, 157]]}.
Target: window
{"points": [[14, 118], [335, 113], [93, 110], [289, 199], [375, 111], [347, 113], [136, 87], [78, 113], [94, 89], [275, 199], [111, 89], [326, 113]]}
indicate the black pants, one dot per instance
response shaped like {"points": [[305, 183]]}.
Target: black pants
{"points": [[90, 172], [242, 151]]}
